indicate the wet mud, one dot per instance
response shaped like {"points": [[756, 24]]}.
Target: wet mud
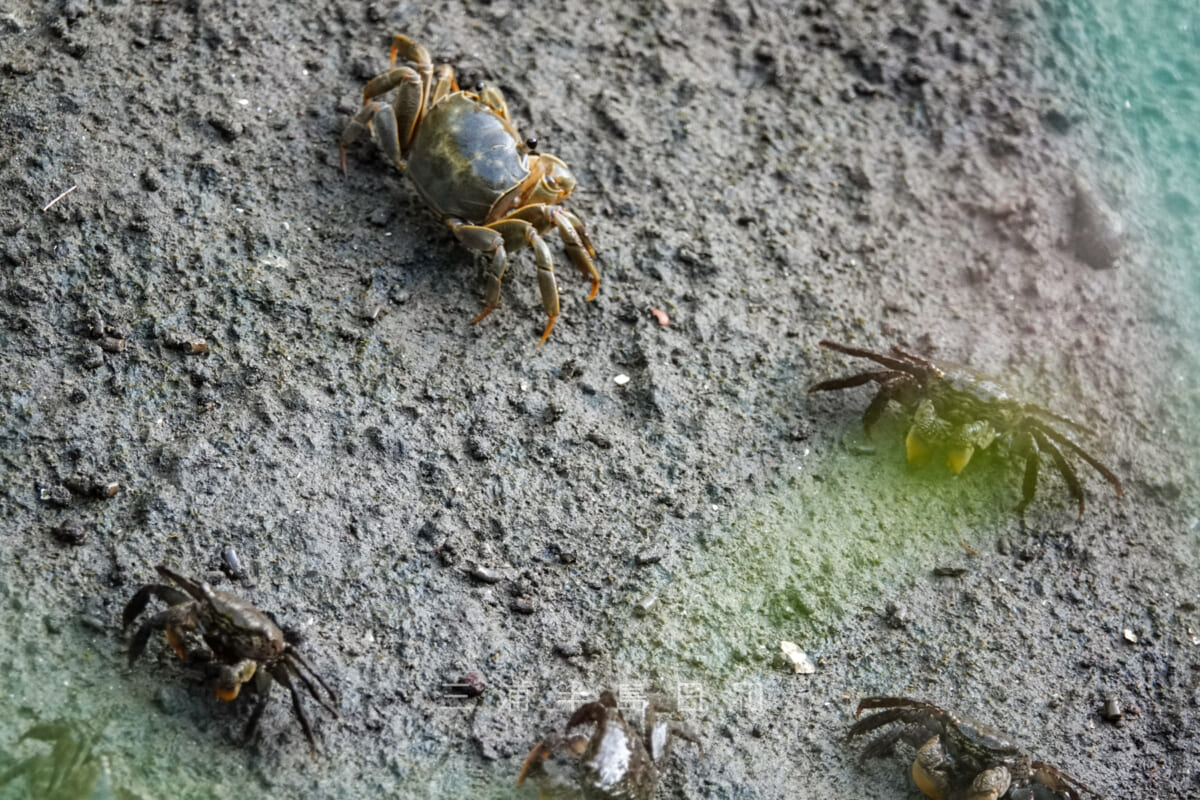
{"points": [[219, 352]]}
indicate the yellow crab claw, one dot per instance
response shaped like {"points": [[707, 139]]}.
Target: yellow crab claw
{"points": [[227, 693], [925, 782], [959, 457], [916, 450]]}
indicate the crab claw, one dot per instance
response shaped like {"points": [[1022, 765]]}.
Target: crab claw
{"points": [[959, 457], [915, 447]]}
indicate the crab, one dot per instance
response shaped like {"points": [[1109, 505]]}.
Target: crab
{"points": [[463, 154], [961, 411], [235, 642], [959, 759], [600, 755], [71, 769]]}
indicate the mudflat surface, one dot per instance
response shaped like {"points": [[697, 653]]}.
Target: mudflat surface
{"points": [[417, 498]]}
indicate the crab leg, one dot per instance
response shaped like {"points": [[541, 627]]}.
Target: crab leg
{"points": [[411, 51], [1058, 781], [443, 84], [850, 381], [1079, 451], [571, 230], [889, 389], [1064, 467], [491, 239], [280, 673], [878, 358], [262, 685], [312, 687], [1033, 461], [137, 604]]}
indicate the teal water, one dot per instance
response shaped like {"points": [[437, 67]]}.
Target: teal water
{"points": [[1136, 65]]}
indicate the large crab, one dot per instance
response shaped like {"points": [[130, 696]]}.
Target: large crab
{"points": [[958, 759], [232, 639], [958, 410], [466, 159], [600, 755]]}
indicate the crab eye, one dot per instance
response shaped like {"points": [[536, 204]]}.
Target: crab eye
{"points": [[531, 143], [479, 86]]}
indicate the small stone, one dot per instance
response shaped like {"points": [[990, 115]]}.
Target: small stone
{"points": [[895, 616], [70, 532], [799, 660], [522, 605], [231, 565], [53, 626], [1096, 235], [55, 495], [112, 344], [93, 623], [1129, 635], [660, 316], [647, 557], [1111, 710], [621, 379], [106, 489], [646, 605], [150, 180], [472, 684], [93, 357], [568, 649], [484, 575]]}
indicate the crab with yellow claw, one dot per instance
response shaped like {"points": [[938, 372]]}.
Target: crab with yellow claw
{"points": [[235, 642], [463, 154], [600, 755], [957, 758], [961, 411]]}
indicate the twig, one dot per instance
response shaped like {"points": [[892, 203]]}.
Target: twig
{"points": [[47, 207]]}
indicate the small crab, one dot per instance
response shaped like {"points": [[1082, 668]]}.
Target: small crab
{"points": [[958, 759], [234, 640], [71, 770], [466, 159], [960, 410], [600, 756]]}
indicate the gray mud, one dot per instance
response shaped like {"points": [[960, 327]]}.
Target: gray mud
{"points": [[769, 176]]}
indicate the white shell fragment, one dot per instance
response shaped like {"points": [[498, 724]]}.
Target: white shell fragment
{"points": [[621, 379], [801, 663], [1130, 636]]}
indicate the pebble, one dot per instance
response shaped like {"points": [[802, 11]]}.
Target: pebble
{"points": [[484, 575], [70, 532], [801, 663], [644, 606], [55, 495], [232, 564], [1111, 711], [472, 684], [522, 605]]}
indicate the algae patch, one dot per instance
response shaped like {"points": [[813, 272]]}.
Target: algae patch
{"points": [[824, 540]]}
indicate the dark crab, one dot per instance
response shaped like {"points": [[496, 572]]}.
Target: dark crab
{"points": [[232, 639], [600, 755], [957, 758], [958, 410], [467, 161]]}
